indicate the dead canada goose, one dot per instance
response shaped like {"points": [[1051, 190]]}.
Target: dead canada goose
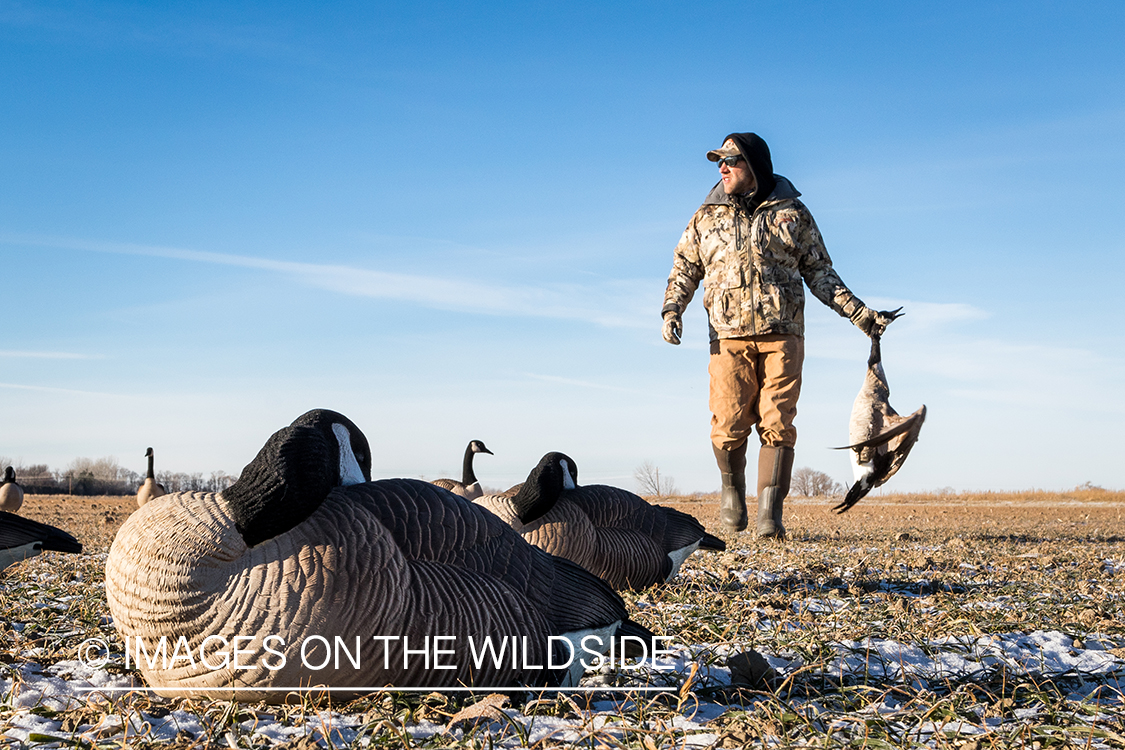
{"points": [[150, 489], [468, 488], [611, 532], [11, 494], [303, 546], [880, 438], [21, 538]]}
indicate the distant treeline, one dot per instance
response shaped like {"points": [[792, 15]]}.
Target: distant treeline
{"points": [[104, 476]]}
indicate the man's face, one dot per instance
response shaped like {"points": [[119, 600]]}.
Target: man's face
{"points": [[737, 178]]}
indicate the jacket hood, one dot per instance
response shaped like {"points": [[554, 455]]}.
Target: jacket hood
{"points": [[783, 190], [757, 155]]}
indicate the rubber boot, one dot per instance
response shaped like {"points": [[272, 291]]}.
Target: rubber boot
{"points": [[775, 465], [732, 500]]}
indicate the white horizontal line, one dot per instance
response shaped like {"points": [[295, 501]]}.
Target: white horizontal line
{"points": [[384, 689]]}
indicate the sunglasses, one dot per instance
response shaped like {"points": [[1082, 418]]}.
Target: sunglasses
{"points": [[730, 161]]}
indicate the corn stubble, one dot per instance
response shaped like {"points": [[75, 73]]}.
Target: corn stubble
{"points": [[914, 570]]}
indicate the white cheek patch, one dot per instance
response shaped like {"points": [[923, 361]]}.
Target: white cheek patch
{"points": [[568, 481], [350, 473]]}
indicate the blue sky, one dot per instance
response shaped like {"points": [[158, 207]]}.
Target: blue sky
{"points": [[455, 221]]}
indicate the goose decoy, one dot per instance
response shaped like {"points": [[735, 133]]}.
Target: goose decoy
{"points": [[11, 494], [150, 489], [468, 488], [21, 538], [880, 438], [403, 575], [611, 532]]}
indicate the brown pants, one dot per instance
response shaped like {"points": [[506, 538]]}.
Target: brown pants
{"points": [[755, 381]]}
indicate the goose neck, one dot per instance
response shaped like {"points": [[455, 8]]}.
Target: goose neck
{"points": [[468, 476]]}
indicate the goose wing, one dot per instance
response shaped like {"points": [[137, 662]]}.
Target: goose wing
{"points": [[428, 524], [564, 531], [896, 426], [613, 507], [16, 531], [469, 492], [457, 488], [638, 544], [899, 444]]}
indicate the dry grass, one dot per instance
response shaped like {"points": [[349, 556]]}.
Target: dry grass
{"points": [[931, 573]]}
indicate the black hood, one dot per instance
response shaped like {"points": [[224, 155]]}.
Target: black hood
{"points": [[757, 155]]}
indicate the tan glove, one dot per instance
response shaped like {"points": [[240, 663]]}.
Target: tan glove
{"points": [[874, 322], [673, 327]]}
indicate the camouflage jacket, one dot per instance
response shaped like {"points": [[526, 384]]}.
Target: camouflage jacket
{"points": [[752, 267]]}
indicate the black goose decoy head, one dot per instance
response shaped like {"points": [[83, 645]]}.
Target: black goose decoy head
{"points": [[354, 452], [295, 470], [554, 473]]}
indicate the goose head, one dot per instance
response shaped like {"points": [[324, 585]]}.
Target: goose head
{"points": [[554, 473], [295, 470], [476, 446], [353, 454], [11, 494]]}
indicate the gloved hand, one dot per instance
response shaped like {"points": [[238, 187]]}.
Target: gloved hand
{"points": [[673, 327], [874, 322]]}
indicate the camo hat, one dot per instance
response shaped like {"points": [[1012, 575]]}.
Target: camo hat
{"points": [[730, 148]]}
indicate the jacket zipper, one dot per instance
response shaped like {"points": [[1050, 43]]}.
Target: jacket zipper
{"points": [[749, 264]]}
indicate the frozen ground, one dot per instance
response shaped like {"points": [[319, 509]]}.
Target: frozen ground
{"points": [[929, 641]]}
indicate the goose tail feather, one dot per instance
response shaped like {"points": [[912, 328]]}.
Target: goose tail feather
{"points": [[712, 542], [857, 492]]}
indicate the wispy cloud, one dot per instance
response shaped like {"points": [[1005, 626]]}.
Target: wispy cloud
{"points": [[927, 315], [47, 355], [949, 350], [831, 337], [577, 383], [49, 389], [615, 303]]}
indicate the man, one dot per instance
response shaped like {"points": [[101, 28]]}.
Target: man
{"points": [[752, 243]]}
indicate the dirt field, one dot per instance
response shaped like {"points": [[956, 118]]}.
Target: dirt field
{"points": [[962, 621], [1082, 514], [1079, 515], [93, 520]]}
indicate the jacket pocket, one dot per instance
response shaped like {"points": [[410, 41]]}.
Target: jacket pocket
{"points": [[783, 303]]}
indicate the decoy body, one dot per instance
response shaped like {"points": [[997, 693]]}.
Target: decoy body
{"points": [[880, 438], [150, 489], [303, 547], [11, 494], [468, 488], [611, 532], [21, 538]]}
